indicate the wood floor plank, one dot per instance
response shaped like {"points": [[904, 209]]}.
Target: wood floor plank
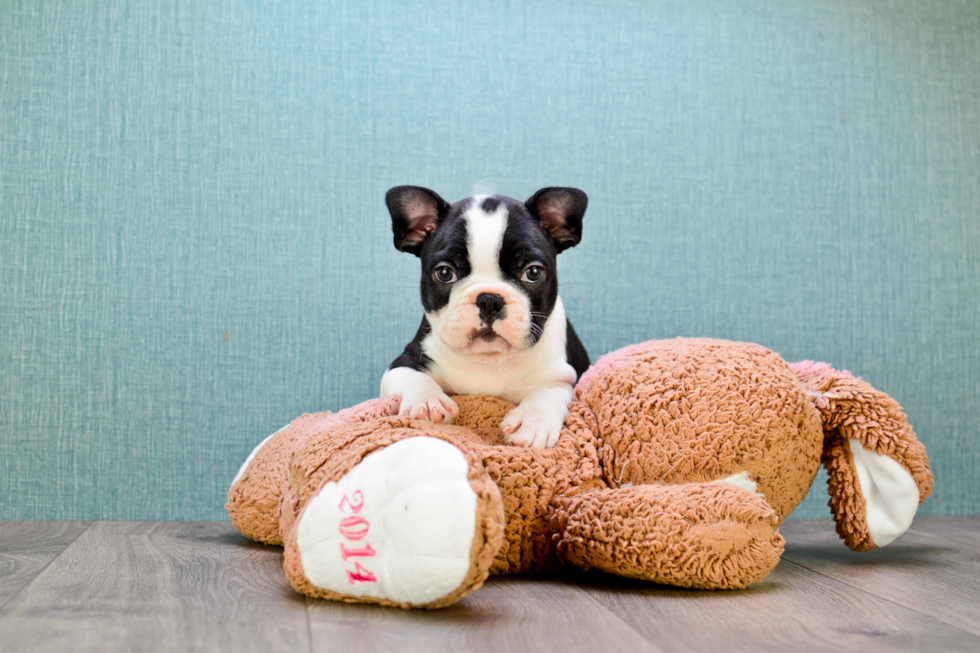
{"points": [[963, 530], [507, 614], [172, 586], [27, 547], [793, 609], [201, 586], [934, 568]]}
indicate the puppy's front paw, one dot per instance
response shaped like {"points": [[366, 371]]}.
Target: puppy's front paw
{"points": [[531, 426], [436, 407]]}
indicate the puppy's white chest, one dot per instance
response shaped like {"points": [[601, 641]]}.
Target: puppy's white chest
{"points": [[507, 381]]}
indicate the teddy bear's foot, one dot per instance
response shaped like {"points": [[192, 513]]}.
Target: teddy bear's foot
{"points": [[415, 524], [703, 535]]}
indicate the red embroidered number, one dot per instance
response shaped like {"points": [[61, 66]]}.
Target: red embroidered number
{"points": [[360, 574], [356, 529], [354, 506], [364, 552]]}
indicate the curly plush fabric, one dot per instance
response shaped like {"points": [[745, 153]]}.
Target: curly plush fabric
{"points": [[677, 462], [253, 500], [255, 496], [703, 535], [852, 410], [693, 410]]}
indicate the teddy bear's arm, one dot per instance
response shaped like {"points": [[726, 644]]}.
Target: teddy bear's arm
{"points": [[702, 535]]}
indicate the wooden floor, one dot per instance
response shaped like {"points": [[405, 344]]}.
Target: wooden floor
{"points": [[178, 586]]}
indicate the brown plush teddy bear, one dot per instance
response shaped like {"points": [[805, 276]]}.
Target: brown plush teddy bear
{"points": [[677, 463]]}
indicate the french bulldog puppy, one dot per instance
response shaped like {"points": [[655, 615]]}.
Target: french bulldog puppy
{"points": [[494, 323]]}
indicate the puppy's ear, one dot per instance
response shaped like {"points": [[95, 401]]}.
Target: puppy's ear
{"points": [[560, 211], [415, 213]]}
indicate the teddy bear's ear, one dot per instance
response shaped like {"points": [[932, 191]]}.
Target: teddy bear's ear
{"points": [[878, 471], [872, 496], [415, 213], [560, 212]]}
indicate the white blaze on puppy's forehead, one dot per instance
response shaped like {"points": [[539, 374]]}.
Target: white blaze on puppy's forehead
{"points": [[484, 237]]}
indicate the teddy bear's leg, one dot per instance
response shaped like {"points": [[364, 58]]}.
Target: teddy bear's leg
{"points": [[702, 535], [255, 492], [253, 498], [878, 473], [414, 523]]}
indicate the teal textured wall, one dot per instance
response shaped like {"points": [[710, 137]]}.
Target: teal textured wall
{"points": [[194, 246]]}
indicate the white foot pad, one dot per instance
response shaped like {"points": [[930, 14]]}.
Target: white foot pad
{"points": [[397, 526]]}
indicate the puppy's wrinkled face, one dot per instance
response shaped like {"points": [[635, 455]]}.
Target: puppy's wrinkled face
{"points": [[489, 267], [489, 277]]}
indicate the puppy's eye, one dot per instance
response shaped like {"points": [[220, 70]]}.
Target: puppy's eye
{"points": [[444, 274], [533, 274]]}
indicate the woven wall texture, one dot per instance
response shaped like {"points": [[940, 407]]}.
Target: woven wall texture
{"points": [[194, 247]]}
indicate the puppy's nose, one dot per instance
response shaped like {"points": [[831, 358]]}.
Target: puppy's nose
{"points": [[490, 305]]}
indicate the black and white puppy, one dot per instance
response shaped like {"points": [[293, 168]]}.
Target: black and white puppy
{"points": [[493, 322]]}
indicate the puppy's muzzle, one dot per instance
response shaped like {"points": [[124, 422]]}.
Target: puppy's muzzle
{"points": [[491, 307]]}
